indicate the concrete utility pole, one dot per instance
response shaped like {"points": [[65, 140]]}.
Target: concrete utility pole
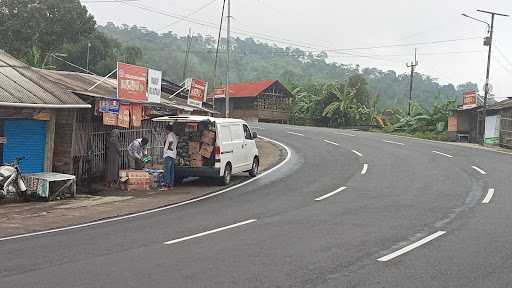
{"points": [[413, 67], [487, 42], [187, 53], [228, 50]]}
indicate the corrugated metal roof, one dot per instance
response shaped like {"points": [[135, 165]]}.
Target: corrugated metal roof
{"points": [[22, 84], [247, 89], [80, 83], [74, 81], [501, 105]]}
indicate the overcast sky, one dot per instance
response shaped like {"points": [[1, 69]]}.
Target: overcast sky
{"points": [[337, 25]]}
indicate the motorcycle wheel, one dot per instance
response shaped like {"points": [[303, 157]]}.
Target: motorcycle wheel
{"points": [[23, 195]]}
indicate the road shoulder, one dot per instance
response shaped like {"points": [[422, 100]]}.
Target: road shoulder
{"points": [[20, 218]]}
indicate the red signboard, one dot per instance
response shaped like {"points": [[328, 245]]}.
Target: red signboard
{"points": [[469, 100], [197, 92], [136, 114], [131, 82], [124, 116]]}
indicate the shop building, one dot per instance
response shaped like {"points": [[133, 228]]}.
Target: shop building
{"points": [[266, 101], [31, 108]]}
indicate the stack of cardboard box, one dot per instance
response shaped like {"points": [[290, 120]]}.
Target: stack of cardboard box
{"points": [[135, 180]]}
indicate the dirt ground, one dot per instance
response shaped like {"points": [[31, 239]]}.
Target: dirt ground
{"points": [[18, 218]]}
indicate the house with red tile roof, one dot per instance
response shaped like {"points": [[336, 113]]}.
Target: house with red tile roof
{"points": [[266, 101]]}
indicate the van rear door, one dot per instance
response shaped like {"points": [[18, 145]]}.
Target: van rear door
{"points": [[237, 137], [226, 146]]}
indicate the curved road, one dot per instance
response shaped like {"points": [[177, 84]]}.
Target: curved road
{"points": [[348, 209]]}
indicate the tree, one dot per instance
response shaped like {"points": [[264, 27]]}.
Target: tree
{"points": [[44, 24]]}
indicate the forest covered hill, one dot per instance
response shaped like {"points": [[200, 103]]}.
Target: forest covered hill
{"points": [[254, 60]]}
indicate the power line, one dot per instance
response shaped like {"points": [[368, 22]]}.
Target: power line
{"points": [[503, 55], [187, 15], [406, 44]]}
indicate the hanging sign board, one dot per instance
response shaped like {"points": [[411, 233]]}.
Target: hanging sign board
{"points": [[132, 82], [110, 119], [113, 106], [123, 120], [469, 100], [452, 124], [154, 85], [136, 114], [219, 92], [197, 92], [103, 106]]}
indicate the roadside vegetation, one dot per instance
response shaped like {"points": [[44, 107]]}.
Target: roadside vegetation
{"points": [[349, 105], [55, 34]]}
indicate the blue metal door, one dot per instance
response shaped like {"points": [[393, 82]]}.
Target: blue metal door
{"points": [[25, 138]]}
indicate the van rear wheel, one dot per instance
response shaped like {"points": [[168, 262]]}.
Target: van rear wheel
{"points": [[226, 178], [255, 167]]}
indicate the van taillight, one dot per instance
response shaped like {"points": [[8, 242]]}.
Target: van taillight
{"points": [[217, 150]]}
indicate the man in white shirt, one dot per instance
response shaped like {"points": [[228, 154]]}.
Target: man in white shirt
{"points": [[171, 142]]}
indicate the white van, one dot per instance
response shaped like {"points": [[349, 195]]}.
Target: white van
{"points": [[233, 151]]}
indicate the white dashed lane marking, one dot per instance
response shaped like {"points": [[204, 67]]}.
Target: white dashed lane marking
{"points": [[209, 232], [411, 247]]}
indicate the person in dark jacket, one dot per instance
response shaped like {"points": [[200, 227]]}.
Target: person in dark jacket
{"points": [[113, 159]]}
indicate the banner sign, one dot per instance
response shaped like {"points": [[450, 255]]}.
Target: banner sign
{"points": [[452, 124], [469, 100], [103, 106], [154, 85], [110, 119], [113, 106], [219, 92], [131, 82], [196, 92], [136, 114], [123, 120]]}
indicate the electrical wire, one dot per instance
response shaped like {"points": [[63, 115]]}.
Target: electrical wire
{"points": [[502, 54], [406, 44], [288, 41], [187, 16]]}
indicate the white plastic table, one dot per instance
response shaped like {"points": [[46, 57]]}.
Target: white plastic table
{"points": [[39, 183]]}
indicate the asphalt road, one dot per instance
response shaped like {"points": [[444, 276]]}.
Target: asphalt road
{"points": [[348, 209]]}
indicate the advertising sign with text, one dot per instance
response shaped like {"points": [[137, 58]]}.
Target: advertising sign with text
{"points": [[131, 82], [197, 92]]}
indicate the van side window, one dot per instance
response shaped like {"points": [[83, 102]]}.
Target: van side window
{"points": [[247, 132], [237, 133]]}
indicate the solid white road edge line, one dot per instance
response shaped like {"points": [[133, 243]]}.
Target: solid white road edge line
{"points": [[330, 194], [479, 170], [330, 142], [298, 134], [345, 134], [440, 153], [393, 142], [411, 247], [365, 168], [288, 157], [489, 195], [209, 232], [357, 153]]}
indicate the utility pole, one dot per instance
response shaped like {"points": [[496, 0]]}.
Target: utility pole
{"points": [[187, 53], [413, 67], [88, 49], [228, 40], [217, 52], [487, 42]]}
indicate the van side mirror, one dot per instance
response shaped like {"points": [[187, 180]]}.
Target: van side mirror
{"points": [[254, 135]]}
